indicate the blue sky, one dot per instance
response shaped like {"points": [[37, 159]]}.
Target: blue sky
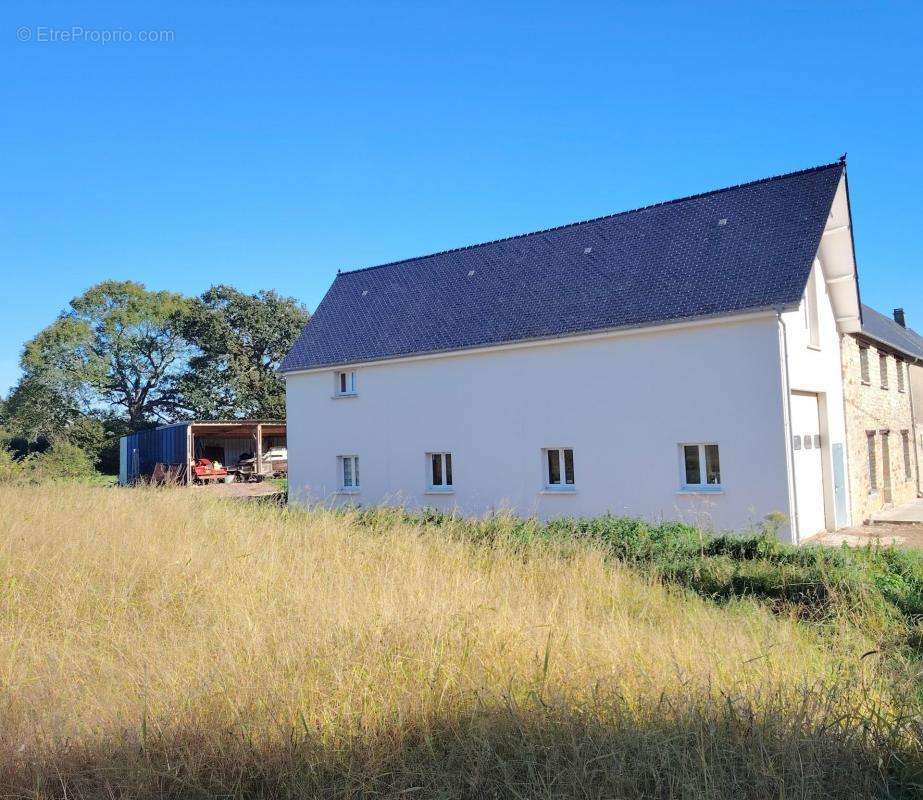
{"points": [[268, 144]]}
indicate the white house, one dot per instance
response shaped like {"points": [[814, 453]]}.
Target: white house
{"points": [[677, 361]]}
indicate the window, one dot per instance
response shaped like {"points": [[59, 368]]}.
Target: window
{"points": [[873, 466], [864, 363], [810, 311], [559, 469], [701, 467], [440, 471], [905, 441], [349, 473], [883, 368], [899, 365], [345, 383]]}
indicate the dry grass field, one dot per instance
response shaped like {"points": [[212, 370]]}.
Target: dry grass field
{"points": [[160, 643]]}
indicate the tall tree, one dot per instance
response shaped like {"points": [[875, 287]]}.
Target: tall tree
{"points": [[35, 414], [118, 348], [241, 340]]}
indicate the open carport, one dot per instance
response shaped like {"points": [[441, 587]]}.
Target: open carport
{"points": [[171, 451]]}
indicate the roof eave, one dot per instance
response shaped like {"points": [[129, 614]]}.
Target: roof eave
{"points": [[837, 255], [881, 341]]}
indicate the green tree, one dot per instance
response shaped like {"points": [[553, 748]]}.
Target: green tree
{"points": [[35, 418], [241, 340], [35, 414], [118, 349]]}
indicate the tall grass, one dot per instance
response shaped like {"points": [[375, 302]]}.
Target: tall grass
{"points": [[878, 589], [157, 643]]}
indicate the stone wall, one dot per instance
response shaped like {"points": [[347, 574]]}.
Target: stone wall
{"points": [[869, 407]]}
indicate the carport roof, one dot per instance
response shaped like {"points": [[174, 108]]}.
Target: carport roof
{"points": [[229, 426], [225, 422]]}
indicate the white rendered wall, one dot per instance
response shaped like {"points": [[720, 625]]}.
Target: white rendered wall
{"points": [[819, 370], [623, 403]]}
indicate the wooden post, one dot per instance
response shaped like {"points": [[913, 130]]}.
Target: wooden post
{"points": [[190, 455], [259, 449]]}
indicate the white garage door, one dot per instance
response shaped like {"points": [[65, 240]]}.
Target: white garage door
{"points": [[809, 471]]}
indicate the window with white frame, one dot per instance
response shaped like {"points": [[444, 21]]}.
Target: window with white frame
{"points": [[864, 364], [701, 467], [559, 468], [810, 311], [873, 462], [348, 468], [883, 368], [345, 383], [439, 470]]}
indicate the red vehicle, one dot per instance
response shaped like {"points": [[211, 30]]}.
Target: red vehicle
{"points": [[205, 470]]}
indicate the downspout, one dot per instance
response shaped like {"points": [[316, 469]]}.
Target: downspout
{"points": [[787, 425]]}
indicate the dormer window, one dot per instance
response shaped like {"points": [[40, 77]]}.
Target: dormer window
{"points": [[345, 384]]}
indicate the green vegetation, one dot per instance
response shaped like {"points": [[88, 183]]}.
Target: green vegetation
{"points": [[122, 357], [63, 461], [240, 341], [162, 643], [878, 589], [118, 346]]}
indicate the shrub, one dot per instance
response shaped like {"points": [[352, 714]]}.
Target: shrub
{"points": [[11, 470], [62, 461]]}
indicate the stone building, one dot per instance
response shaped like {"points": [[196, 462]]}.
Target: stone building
{"points": [[881, 364]]}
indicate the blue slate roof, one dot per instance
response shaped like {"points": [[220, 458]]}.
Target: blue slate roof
{"points": [[885, 330], [742, 248]]}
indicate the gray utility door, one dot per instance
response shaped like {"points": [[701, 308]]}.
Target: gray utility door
{"points": [[809, 470], [886, 466], [839, 483]]}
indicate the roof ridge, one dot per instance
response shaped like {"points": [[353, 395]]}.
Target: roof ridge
{"points": [[819, 168]]}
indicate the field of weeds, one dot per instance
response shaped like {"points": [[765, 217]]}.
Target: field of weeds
{"points": [[159, 643]]}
